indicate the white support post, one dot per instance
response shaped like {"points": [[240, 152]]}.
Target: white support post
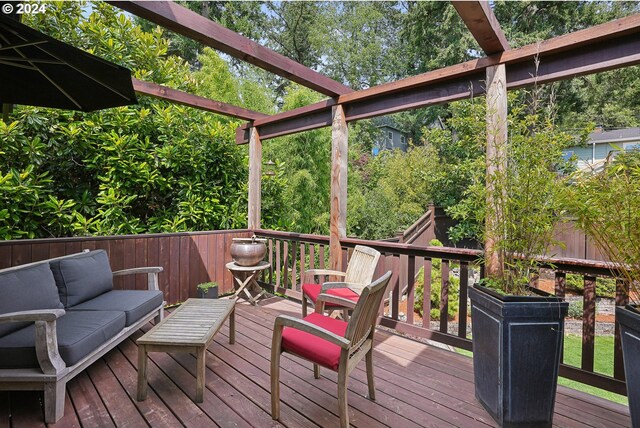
{"points": [[339, 158], [255, 177]]}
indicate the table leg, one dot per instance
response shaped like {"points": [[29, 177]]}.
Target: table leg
{"points": [[200, 369], [232, 326], [142, 372]]}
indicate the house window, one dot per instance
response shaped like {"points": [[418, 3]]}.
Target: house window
{"points": [[403, 140], [390, 136]]}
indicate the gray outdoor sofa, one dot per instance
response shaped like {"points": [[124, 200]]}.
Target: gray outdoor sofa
{"points": [[60, 315]]}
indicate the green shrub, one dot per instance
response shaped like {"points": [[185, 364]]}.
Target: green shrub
{"points": [[436, 289], [575, 310], [605, 287]]}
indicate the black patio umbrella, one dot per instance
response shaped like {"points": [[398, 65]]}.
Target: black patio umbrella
{"points": [[38, 70]]}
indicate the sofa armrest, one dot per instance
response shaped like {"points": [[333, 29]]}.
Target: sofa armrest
{"points": [[152, 274], [46, 340], [37, 315]]}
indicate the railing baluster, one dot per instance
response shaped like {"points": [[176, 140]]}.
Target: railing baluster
{"points": [[462, 305], [285, 265], [622, 298], [303, 260], [278, 265], [444, 297], [411, 292], [560, 288], [426, 293], [395, 293], [588, 322], [294, 267]]}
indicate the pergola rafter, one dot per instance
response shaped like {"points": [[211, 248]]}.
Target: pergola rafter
{"points": [[187, 99], [183, 21], [611, 45], [483, 25]]}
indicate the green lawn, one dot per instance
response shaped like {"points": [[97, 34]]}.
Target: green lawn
{"points": [[603, 363]]}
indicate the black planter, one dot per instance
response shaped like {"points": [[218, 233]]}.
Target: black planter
{"points": [[517, 343], [629, 319], [212, 293]]}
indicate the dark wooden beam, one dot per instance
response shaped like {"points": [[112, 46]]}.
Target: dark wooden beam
{"points": [[611, 45], [183, 21], [483, 25], [195, 101]]}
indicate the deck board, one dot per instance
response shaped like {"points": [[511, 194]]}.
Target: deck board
{"points": [[417, 385]]}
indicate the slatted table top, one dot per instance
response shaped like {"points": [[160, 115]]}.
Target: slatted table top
{"points": [[193, 323]]}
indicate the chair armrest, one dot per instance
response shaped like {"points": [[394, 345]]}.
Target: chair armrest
{"points": [[329, 285], [324, 272], [302, 325], [151, 271], [328, 298], [38, 315], [46, 339]]}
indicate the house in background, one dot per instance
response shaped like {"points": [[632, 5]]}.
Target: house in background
{"points": [[389, 136], [603, 145]]}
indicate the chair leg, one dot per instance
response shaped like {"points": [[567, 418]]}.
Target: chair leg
{"points": [[370, 381], [316, 371], [54, 401], [343, 407], [304, 306], [275, 374]]}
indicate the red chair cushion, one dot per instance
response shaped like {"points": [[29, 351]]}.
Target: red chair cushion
{"points": [[313, 291], [311, 347]]}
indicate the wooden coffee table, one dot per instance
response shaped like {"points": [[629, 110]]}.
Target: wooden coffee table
{"points": [[190, 328]]}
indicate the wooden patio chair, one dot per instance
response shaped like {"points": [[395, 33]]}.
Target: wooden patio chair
{"points": [[359, 273], [335, 344]]}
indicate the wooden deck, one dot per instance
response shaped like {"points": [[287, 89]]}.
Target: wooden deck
{"points": [[417, 385]]}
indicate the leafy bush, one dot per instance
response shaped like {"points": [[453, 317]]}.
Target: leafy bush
{"points": [[152, 167], [575, 310], [605, 287]]}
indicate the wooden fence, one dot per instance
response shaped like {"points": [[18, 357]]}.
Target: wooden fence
{"points": [[187, 258]]}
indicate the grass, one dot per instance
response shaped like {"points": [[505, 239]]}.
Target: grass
{"points": [[603, 363]]}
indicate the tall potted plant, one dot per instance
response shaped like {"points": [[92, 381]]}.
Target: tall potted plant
{"points": [[517, 331], [606, 204]]}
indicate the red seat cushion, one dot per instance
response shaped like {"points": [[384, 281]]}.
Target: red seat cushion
{"points": [[313, 291], [311, 347]]}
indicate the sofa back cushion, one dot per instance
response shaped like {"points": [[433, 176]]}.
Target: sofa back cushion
{"points": [[27, 289], [82, 277]]}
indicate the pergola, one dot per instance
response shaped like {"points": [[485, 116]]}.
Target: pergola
{"points": [[612, 45]]}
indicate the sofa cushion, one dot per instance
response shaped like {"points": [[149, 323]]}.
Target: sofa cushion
{"points": [[82, 277], [79, 333], [26, 289], [134, 303], [314, 348]]}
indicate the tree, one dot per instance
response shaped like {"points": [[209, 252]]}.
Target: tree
{"points": [[150, 167]]}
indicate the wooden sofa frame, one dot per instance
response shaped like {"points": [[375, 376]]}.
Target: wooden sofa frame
{"points": [[53, 375]]}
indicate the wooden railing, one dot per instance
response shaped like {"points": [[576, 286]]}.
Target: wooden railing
{"points": [[290, 254], [192, 258]]}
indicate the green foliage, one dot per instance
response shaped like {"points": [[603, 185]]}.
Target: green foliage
{"points": [[605, 287], [305, 159], [607, 207], [205, 286], [396, 189], [525, 189], [575, 310], [153, 167]]}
